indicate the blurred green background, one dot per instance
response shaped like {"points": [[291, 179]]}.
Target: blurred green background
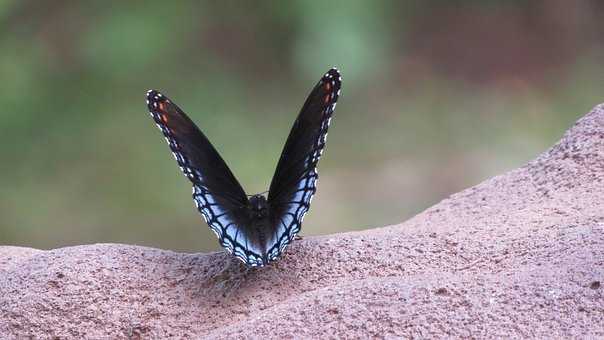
{"points": [[437, 96]]}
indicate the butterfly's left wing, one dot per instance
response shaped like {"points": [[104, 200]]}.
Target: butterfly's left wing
{"points": [[294, 182], [217, 194]]}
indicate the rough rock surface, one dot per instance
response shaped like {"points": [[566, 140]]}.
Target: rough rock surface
{"points": [[520, 255]]}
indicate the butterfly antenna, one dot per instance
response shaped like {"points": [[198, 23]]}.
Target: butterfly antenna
{"points": [[262, 193]]}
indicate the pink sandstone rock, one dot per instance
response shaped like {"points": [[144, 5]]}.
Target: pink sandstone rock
{"points": [[518, 256]]}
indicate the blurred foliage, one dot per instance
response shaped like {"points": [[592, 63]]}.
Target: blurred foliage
{"points": [[437, 96]]}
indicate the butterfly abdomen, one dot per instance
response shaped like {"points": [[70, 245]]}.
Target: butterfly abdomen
{"points": [[260, 223]]}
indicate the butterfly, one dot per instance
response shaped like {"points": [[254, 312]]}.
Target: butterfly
{"points": [[256, 229]]}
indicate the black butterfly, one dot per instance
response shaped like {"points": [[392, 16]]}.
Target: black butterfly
{"points": [[256, 230]]}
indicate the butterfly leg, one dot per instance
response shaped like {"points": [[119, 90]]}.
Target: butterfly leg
{"points": [[298, 237]]}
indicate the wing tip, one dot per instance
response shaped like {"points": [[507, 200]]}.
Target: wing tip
{"points": [[333, 73], [154, 95], [334, 76], [153, 98]]}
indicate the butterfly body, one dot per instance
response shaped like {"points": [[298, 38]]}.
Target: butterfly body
{"points": [[259, 222], [256, 229], [259, 206]]}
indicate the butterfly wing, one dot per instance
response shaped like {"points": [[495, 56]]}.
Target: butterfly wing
{"points": [[294, 181], [217, 194]]}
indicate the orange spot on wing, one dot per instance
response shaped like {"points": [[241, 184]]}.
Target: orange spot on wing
{"points": [[164, 118], [326, 100], [328, 96]]}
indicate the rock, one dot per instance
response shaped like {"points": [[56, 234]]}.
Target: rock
{"points": [[520, 255]]}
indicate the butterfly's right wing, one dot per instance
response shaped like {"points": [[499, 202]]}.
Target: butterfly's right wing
{"points": [[294, 181], [217, 194]]}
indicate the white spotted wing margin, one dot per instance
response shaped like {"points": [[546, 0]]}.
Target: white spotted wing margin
{"points": [[294, 182], [220, 198]]}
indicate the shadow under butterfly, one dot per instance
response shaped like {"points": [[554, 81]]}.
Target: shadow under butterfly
{"points": [[258, 229]]}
